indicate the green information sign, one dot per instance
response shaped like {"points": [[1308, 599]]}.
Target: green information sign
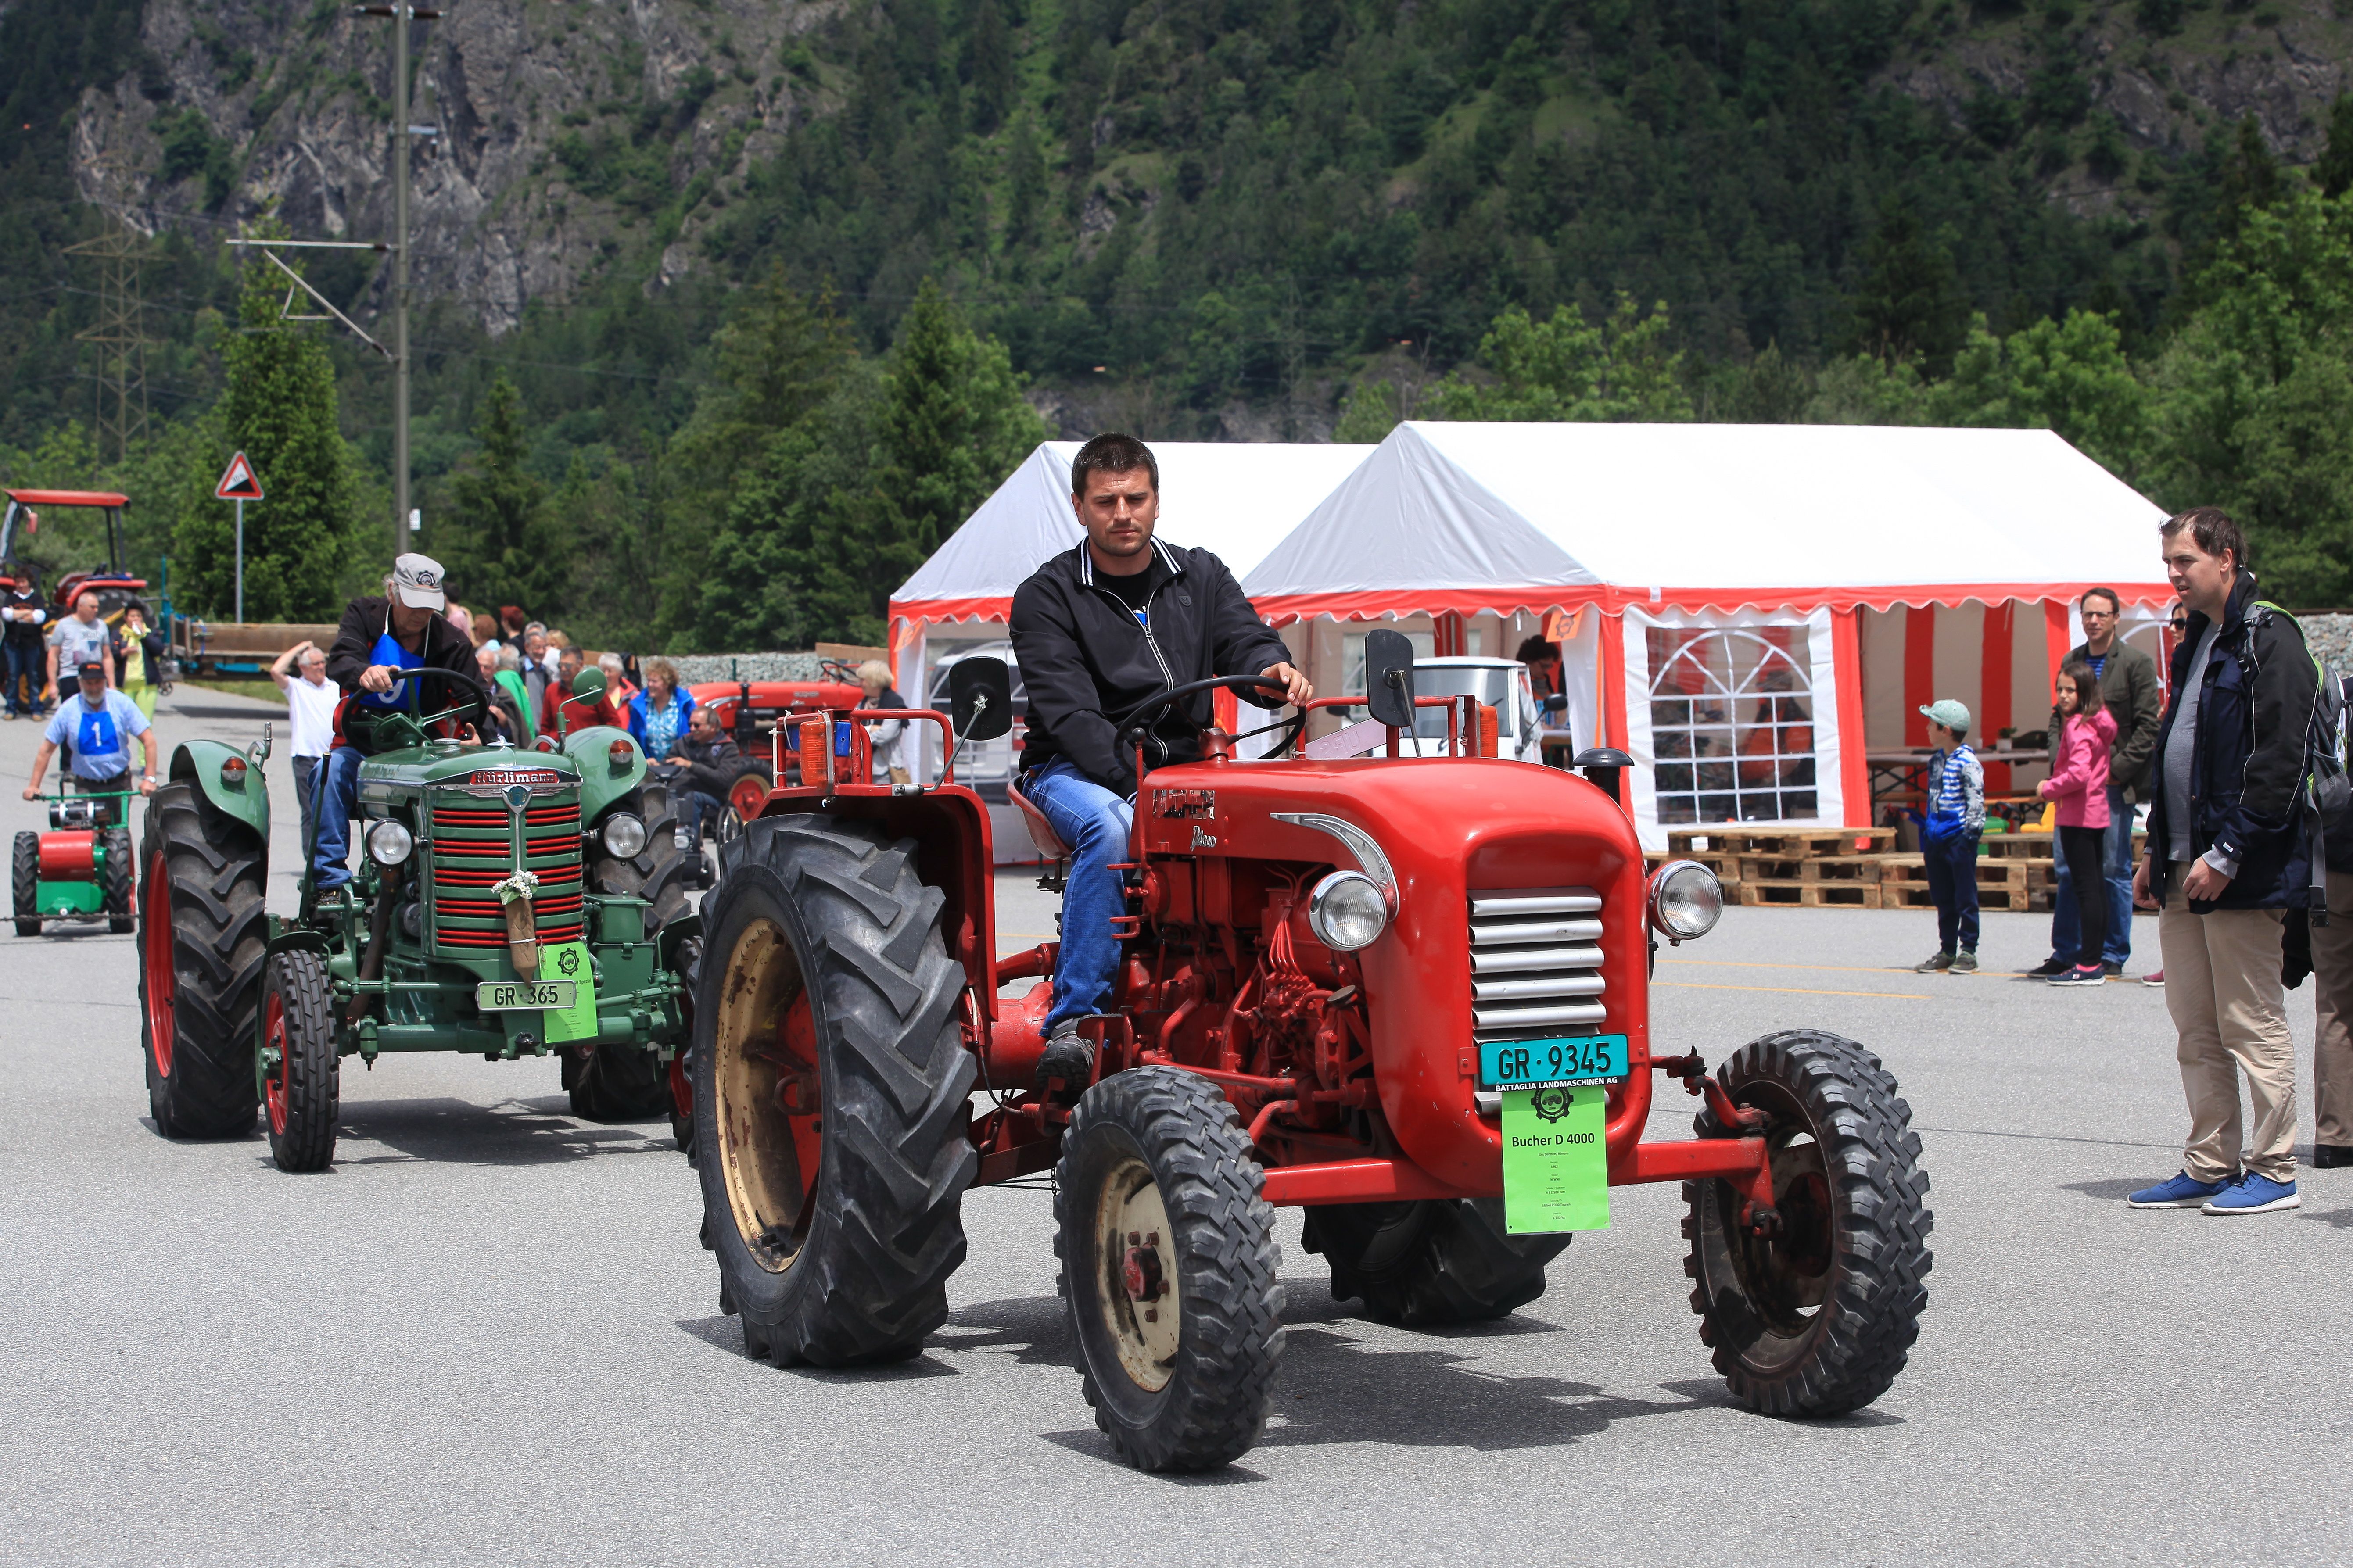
{"points": [[569, 960], [1556, 1159]]}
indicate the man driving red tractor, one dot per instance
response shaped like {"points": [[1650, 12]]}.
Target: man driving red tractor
{"points": [[1097, 630]]}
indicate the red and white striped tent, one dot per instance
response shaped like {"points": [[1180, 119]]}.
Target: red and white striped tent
{"points": [[1751, 610]]}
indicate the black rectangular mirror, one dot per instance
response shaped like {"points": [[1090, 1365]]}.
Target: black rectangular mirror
{"points": [[1388, 677], [980, 698]]}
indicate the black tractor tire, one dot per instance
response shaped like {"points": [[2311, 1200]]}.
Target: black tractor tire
{"points": [[624, 1083], [25, 882], [1432, 1262], [116, 879], [656, 873], [302, 1099], [822, 937], [1182, 1385], [681, 1067], [201, 945], [1817, 1319], [616, 1084]]}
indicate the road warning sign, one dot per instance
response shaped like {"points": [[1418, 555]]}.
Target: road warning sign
{"points": [[238, 482]]}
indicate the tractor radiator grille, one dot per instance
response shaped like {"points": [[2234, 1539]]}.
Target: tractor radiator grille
{"points": [[1536, 961], [472, 850]]}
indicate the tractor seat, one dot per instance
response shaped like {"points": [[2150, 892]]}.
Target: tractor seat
{"points": [[1041, 832]]}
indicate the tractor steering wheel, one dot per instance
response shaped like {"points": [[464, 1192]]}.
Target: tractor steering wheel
{"points": [[473, 707], [1131, 722]]}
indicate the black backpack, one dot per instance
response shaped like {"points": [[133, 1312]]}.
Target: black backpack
{"points": [[2329, 790]]}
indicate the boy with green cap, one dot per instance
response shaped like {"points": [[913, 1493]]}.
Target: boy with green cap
{"points": [[1951, 825]]}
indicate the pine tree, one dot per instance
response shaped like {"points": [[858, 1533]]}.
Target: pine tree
{"points": [[992, 67], [2334, 172], [1909, 302], [279, 409]]}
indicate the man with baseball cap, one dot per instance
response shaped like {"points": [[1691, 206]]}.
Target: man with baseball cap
{"points": [[96, 726], [380, 637]]}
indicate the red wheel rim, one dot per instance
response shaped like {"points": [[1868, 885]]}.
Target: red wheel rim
{"points": [[158, 957], [273, 1088]]}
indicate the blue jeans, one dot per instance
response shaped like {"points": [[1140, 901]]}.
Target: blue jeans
{"points": [[695, 809], [1095, 824], [29, 665], [336, 794], [1952, 866], [2116, 865]]}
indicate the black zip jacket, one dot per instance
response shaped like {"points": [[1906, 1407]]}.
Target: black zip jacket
{"points": [[367, 619], [1085, 659], [2246, 776]]}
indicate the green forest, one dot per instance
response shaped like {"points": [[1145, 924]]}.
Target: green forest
{"points": [[1329, 213]]}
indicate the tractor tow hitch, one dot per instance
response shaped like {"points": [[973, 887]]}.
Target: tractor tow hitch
{"points": [[1693, 1070]]}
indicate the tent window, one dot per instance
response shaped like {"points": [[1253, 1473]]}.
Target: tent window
{"points": [[1731, 721]]}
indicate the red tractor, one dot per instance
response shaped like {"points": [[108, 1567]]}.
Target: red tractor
{"points": [[114, 586], [1347, 984]]}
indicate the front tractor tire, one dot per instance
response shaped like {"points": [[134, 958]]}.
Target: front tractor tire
{"points": [[1168, 1259], [298, 1072], [201, 945], [25, 883], [1432, 1262], [830, 1087], [1816, 1317], [115, 879], [624, 1083]]}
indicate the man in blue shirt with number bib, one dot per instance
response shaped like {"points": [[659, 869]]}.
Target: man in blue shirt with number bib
{"points": [[378, 639], [96, 726]]}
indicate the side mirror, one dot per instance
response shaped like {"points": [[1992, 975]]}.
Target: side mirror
{"points": [[1388, 677], [980, 699], [1555, 703], [589, 684], [259, 750]]}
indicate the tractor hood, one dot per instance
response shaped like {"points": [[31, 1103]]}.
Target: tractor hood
{"points": [[1436, 832], [445, 762]]}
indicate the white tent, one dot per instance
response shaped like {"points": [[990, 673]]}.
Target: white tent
{"points": [[1751, 610], [1235, 498]]}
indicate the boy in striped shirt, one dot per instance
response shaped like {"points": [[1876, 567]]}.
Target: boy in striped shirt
{"points": [[1948, 838]]}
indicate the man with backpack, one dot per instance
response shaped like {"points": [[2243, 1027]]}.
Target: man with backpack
{"points": [[2228, 857]]}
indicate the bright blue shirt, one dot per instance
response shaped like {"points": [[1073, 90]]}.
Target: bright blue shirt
{"points": [[97, 739]]}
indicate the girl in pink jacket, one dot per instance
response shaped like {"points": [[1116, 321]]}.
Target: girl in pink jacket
{"points": [[2078, 785]]}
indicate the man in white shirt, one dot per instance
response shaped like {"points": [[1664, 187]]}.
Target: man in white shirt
{"points": [[311, 699], [81, 638]]}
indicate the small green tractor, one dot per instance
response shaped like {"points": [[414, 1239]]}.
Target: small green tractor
{"points": [[511, 903], [82, 869]]}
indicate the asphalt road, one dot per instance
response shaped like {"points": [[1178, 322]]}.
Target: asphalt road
{"points": [[487, 1335]]}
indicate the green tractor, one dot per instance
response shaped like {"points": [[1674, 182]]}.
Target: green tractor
{"points": [[515, 903]]}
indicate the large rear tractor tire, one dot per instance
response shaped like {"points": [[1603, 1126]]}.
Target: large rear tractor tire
{"points": [[1816, 1317], [116, 878], [1428, 1263], [623, 1083], [830, 1089], [25, 883], [201, 940], [1168, 1270], [299, 1073]]}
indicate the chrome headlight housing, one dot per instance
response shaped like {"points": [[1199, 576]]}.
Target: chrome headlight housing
{"points": [[624, 836], [1686, 901], [1347, 910], [389, 843]]}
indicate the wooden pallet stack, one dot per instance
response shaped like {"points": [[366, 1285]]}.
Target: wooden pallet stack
{"points": [[1797, 868], [1858, 868]]}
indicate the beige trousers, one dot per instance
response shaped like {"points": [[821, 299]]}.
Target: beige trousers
{"points": [[2223, 987], [2332, 985]]}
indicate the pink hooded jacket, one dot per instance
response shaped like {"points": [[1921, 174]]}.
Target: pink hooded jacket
{"points": [[2079, 773]]}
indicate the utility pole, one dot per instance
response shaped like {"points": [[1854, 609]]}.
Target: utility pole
{"points": [[119, 336], [401, 14]]}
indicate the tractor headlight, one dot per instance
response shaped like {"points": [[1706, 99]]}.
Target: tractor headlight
{"points": [[1346, 911], [389, 843], [1686, 901], [624, 836]]}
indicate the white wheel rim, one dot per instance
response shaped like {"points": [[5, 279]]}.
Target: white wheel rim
{"points": [[1136, 1246]]}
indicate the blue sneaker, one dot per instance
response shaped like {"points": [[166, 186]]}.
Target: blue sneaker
{"points": [[2255, 1193], [2183, 1191]]}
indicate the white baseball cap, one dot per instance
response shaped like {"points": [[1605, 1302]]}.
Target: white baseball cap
{"points": [[417, 580]]}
